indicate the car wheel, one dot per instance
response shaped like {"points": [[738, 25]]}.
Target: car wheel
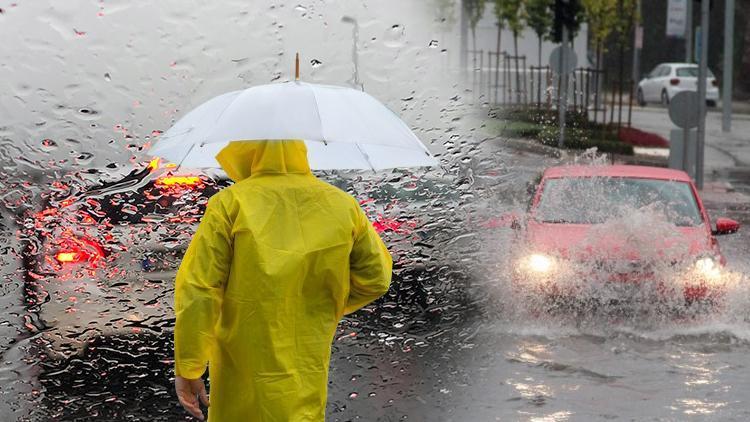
{"points": [[664, 98], [639, 98]]}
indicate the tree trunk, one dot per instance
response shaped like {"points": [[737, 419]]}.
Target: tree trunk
{"points": [[598, 82], [474, 46], [621, 59], [497, 60], [463, 50], [743, 82], [621, 82], [539, 50], [473, 59], [518, 75]]}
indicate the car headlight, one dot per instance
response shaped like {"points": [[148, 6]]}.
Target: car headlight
{"points": [[708, 268], [538, 264]]}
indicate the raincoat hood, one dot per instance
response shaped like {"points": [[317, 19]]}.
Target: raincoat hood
{"points": [[243, 159]]}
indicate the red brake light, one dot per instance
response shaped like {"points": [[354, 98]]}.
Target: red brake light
{"points": [[179, 181], [674, 81], [68, 256], [383, 224], [153, 165], [74, 250]]}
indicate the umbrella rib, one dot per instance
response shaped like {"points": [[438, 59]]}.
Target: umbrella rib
{"points": [[185, 157], [317, 112], [364, 154], [239, 94]]}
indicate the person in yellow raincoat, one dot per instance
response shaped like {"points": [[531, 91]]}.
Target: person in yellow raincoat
{"points": [[279, 257]]}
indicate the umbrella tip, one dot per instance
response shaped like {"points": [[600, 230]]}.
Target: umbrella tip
{"points": [[296, 67]]}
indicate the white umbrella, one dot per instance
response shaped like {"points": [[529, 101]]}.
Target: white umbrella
{"points": [[343, 128]]}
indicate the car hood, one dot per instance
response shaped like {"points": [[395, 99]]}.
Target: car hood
{"points": [[600, 241]]}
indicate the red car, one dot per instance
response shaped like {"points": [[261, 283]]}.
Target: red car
{"points": [[618, 233]]}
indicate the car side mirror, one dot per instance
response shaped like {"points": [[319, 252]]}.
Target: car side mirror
{"points": [[725, 226]]}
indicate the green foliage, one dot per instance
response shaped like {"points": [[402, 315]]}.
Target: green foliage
{"points": [[474, 10], [539, 17], [498, 14], [532, 123], [512, 14], [606, 17], [627, 17], [519, 129], [601, 15]]}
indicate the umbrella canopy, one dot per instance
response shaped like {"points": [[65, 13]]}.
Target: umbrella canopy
{"points": [[342, 128]]}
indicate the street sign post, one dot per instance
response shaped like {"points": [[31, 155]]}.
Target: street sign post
{"points": [[566, 19], [637, 47], [689, 32], [563, 75], [702, 73], [727, 73], [697, 42], [563, 60], [684, 111]]}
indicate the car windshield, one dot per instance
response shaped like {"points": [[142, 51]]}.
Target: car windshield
{"points": [[594, 200], [691, 72], [166, 198]]}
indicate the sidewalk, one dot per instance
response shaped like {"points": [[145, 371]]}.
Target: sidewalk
{"points": [[727, 155]]}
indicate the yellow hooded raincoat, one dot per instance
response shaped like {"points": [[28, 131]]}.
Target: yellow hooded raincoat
{"points": [[278, 259]]}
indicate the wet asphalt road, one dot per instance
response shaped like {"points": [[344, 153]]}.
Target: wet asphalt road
{"points": [[461, 357]]}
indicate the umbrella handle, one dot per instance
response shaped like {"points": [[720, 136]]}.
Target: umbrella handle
{"points": [[296, 67]]}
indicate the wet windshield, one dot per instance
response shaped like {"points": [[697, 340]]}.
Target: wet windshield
{"points": [[594, 200], [167, 198]]}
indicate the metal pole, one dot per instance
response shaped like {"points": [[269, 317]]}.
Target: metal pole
{"points": [[702, 71], [685, 155], [728, 76], [497, 62], [636, 49], [355, 52], [563, 88], [630, 104], [689, 32], [464, 42]]}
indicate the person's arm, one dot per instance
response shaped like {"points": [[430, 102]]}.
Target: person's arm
{"points": [[370, 266], [199, 290]]}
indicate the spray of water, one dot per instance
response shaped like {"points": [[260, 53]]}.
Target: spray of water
{"points": [[643, 269]]}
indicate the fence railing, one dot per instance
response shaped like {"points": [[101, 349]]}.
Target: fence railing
{"points": [[501, 79]]}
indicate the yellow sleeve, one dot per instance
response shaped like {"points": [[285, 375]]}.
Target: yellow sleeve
{"points": [[199, 290], [370, 266]]}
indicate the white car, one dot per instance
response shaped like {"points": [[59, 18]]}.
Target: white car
{"points": [[667, 79]]}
